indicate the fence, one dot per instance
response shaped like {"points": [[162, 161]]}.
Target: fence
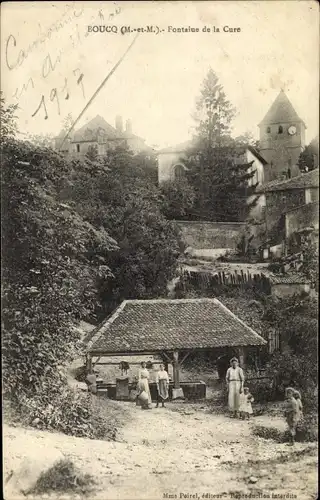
{"points": [[242, 279]]}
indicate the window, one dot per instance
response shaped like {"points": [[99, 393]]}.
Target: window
{"points": [[78, 148], [308, 196], [280, 129], [268, 130], [178, 170]]}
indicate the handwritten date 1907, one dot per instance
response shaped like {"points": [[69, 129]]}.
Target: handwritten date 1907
{"points": [[57, 95]]}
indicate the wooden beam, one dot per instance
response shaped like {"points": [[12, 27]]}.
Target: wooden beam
{"points": [[176, 371], [89, 363], [132, 363], [185, 357], [108, 354], [242, 357], [96, 362], [166, 356]]}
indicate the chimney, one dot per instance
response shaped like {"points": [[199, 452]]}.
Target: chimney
{"points": [[119, 125], [129, 126]]}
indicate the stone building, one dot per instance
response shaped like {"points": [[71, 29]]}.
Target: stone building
{"points": [[171, 162], [102, 136], [282, 139], [291, 206]]}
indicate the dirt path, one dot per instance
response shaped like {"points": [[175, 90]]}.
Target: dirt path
{"points": [[182, 449]]}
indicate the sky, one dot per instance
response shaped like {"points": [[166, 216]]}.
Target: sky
{"points": [[52, 64]]}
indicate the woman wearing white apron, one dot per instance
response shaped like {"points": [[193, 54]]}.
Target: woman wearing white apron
{"points": [[235, 381], [143, 384]]}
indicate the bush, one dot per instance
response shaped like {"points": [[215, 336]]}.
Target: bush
{"points": [[307, 431], [63, 477], [261, 389], [70, 412]]}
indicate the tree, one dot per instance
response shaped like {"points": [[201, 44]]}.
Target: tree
{"points": [[247, 139], [41, 140], [67, 123], [296, 320], [214, 113], [8, 125], [120, 197], [178, 198], [92, 153], [309, 158], [52, 262], [218, 171], [310, 253], [220, 181]]}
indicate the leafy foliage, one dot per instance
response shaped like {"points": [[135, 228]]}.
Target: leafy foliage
{"points": [[75, 413], [61, 219], [8, 126], [220, 180], [214, 112], [122, 199], [296, 320], [52, 260], [179, 198], [63, 477], [217, 169], [309, 158], [41, 140]]}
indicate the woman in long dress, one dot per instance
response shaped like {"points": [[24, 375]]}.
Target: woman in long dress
{"points": [[162, 381], [143, 383], [235, 381]]}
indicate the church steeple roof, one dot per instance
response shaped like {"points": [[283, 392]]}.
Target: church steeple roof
{"points": [[281, 111]]}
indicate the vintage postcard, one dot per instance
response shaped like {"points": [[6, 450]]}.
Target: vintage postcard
{"points": [[160, 200]]}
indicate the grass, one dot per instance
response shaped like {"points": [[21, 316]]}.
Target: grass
{"points": [[63, 477]]}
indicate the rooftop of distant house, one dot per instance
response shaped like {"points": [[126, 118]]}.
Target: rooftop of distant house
{"points": [[303, 181], [98, 128], [164, 324]]}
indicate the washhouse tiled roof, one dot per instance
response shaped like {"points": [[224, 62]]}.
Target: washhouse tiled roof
{"points": [[163, 324]]}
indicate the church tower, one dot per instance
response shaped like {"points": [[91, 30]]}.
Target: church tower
{"points": [[282, 139]]}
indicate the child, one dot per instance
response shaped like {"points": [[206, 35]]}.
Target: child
{"points": [[293, 411], [245, 404]]}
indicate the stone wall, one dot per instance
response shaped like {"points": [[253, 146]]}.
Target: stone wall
{"points": [[279, 203], [288, 290], [302, 217], [210, 235]]}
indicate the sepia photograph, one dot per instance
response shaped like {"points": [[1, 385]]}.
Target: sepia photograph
{"points": [[160, 248]]}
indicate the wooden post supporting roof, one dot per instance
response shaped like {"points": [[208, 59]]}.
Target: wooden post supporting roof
{"points": [[242, 357], [89, 363], [176, 370]]}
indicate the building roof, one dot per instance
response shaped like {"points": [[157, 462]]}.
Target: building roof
{"points": [[163, 324], [288, 279], [257, 155], [178, 148], [281, 111], [90, 130], [304, 181]]}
